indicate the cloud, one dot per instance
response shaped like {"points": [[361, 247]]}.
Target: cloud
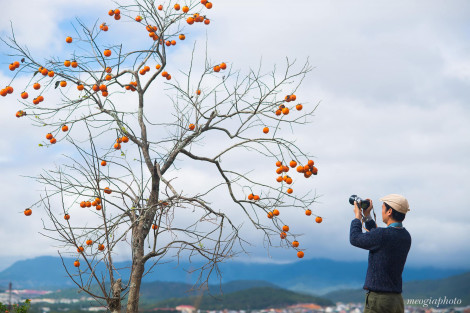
{"points": [[392, 82]]}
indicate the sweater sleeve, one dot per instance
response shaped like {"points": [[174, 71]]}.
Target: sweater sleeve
{"points": [[371, 240], [370, 224]]}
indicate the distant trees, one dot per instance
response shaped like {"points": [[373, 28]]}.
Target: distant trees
{"points": [[16, 308]]}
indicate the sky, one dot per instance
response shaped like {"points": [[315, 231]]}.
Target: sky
{"points": [[392, 82]]}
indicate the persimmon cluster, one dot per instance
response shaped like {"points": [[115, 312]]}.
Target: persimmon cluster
{"points": [[95, 203], [123, 139], [308, 170]]}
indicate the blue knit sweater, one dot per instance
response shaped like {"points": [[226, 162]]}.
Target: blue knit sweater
{"points": [[388, 249]]}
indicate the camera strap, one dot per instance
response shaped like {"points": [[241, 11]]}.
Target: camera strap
{"points": [[375, 219]]}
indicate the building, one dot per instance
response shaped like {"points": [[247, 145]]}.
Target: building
{"points": [[305, 307], [186, 309]]}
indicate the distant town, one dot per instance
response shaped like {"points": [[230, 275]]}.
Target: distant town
{"points": [[86, 304]]}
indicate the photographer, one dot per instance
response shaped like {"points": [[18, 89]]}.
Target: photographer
{"points": [[388, 248]]}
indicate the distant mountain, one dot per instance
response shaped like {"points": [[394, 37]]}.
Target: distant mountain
{"points": [[315, 276], [457, 286], [346, 295], [248, 299], [40, 273], [165, 290], [237, 295], [160, 290]]}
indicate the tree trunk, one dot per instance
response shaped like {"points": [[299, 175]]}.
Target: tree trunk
{"points": [[136, 273], [139, 233], [114, 303]]}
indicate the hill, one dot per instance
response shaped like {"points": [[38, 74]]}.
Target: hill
{"points": [[316, 276], [165, 290], [236, 295], [457, 286], [160, 290], [249, 299]]}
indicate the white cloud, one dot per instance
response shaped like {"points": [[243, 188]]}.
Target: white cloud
{"points": [[393, 118]]}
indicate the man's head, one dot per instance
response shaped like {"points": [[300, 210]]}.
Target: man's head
{"points": [[394, 208]]}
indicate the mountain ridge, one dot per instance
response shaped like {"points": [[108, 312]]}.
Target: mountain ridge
{"points": [[316, 276], [247, 299]]}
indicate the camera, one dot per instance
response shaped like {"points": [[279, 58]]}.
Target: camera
{"points": [[363, 204]]}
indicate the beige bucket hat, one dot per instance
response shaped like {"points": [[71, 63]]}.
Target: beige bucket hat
{"points": [[397, 202]]}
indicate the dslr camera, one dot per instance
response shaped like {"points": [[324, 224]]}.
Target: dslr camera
{"points": [[363, 204]]}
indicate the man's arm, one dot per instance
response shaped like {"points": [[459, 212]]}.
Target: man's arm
{"points": [[371, 240], [369, 222]]}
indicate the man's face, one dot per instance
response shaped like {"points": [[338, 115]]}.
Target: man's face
{"points": [[385, 214]]}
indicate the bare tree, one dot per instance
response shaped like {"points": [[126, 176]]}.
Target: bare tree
{"points": [[133, 193]]}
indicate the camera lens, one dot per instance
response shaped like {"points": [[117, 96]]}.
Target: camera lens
{"points": [[352, 199], [363, 204]]}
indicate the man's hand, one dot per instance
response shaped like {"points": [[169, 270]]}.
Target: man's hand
{"points": [[357, 211], [367, 211]]}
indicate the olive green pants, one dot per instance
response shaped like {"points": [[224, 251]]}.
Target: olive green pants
{"points": [[384, 302]]}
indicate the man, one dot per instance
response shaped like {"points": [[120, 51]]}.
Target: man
{"points": [[388, 248]]}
